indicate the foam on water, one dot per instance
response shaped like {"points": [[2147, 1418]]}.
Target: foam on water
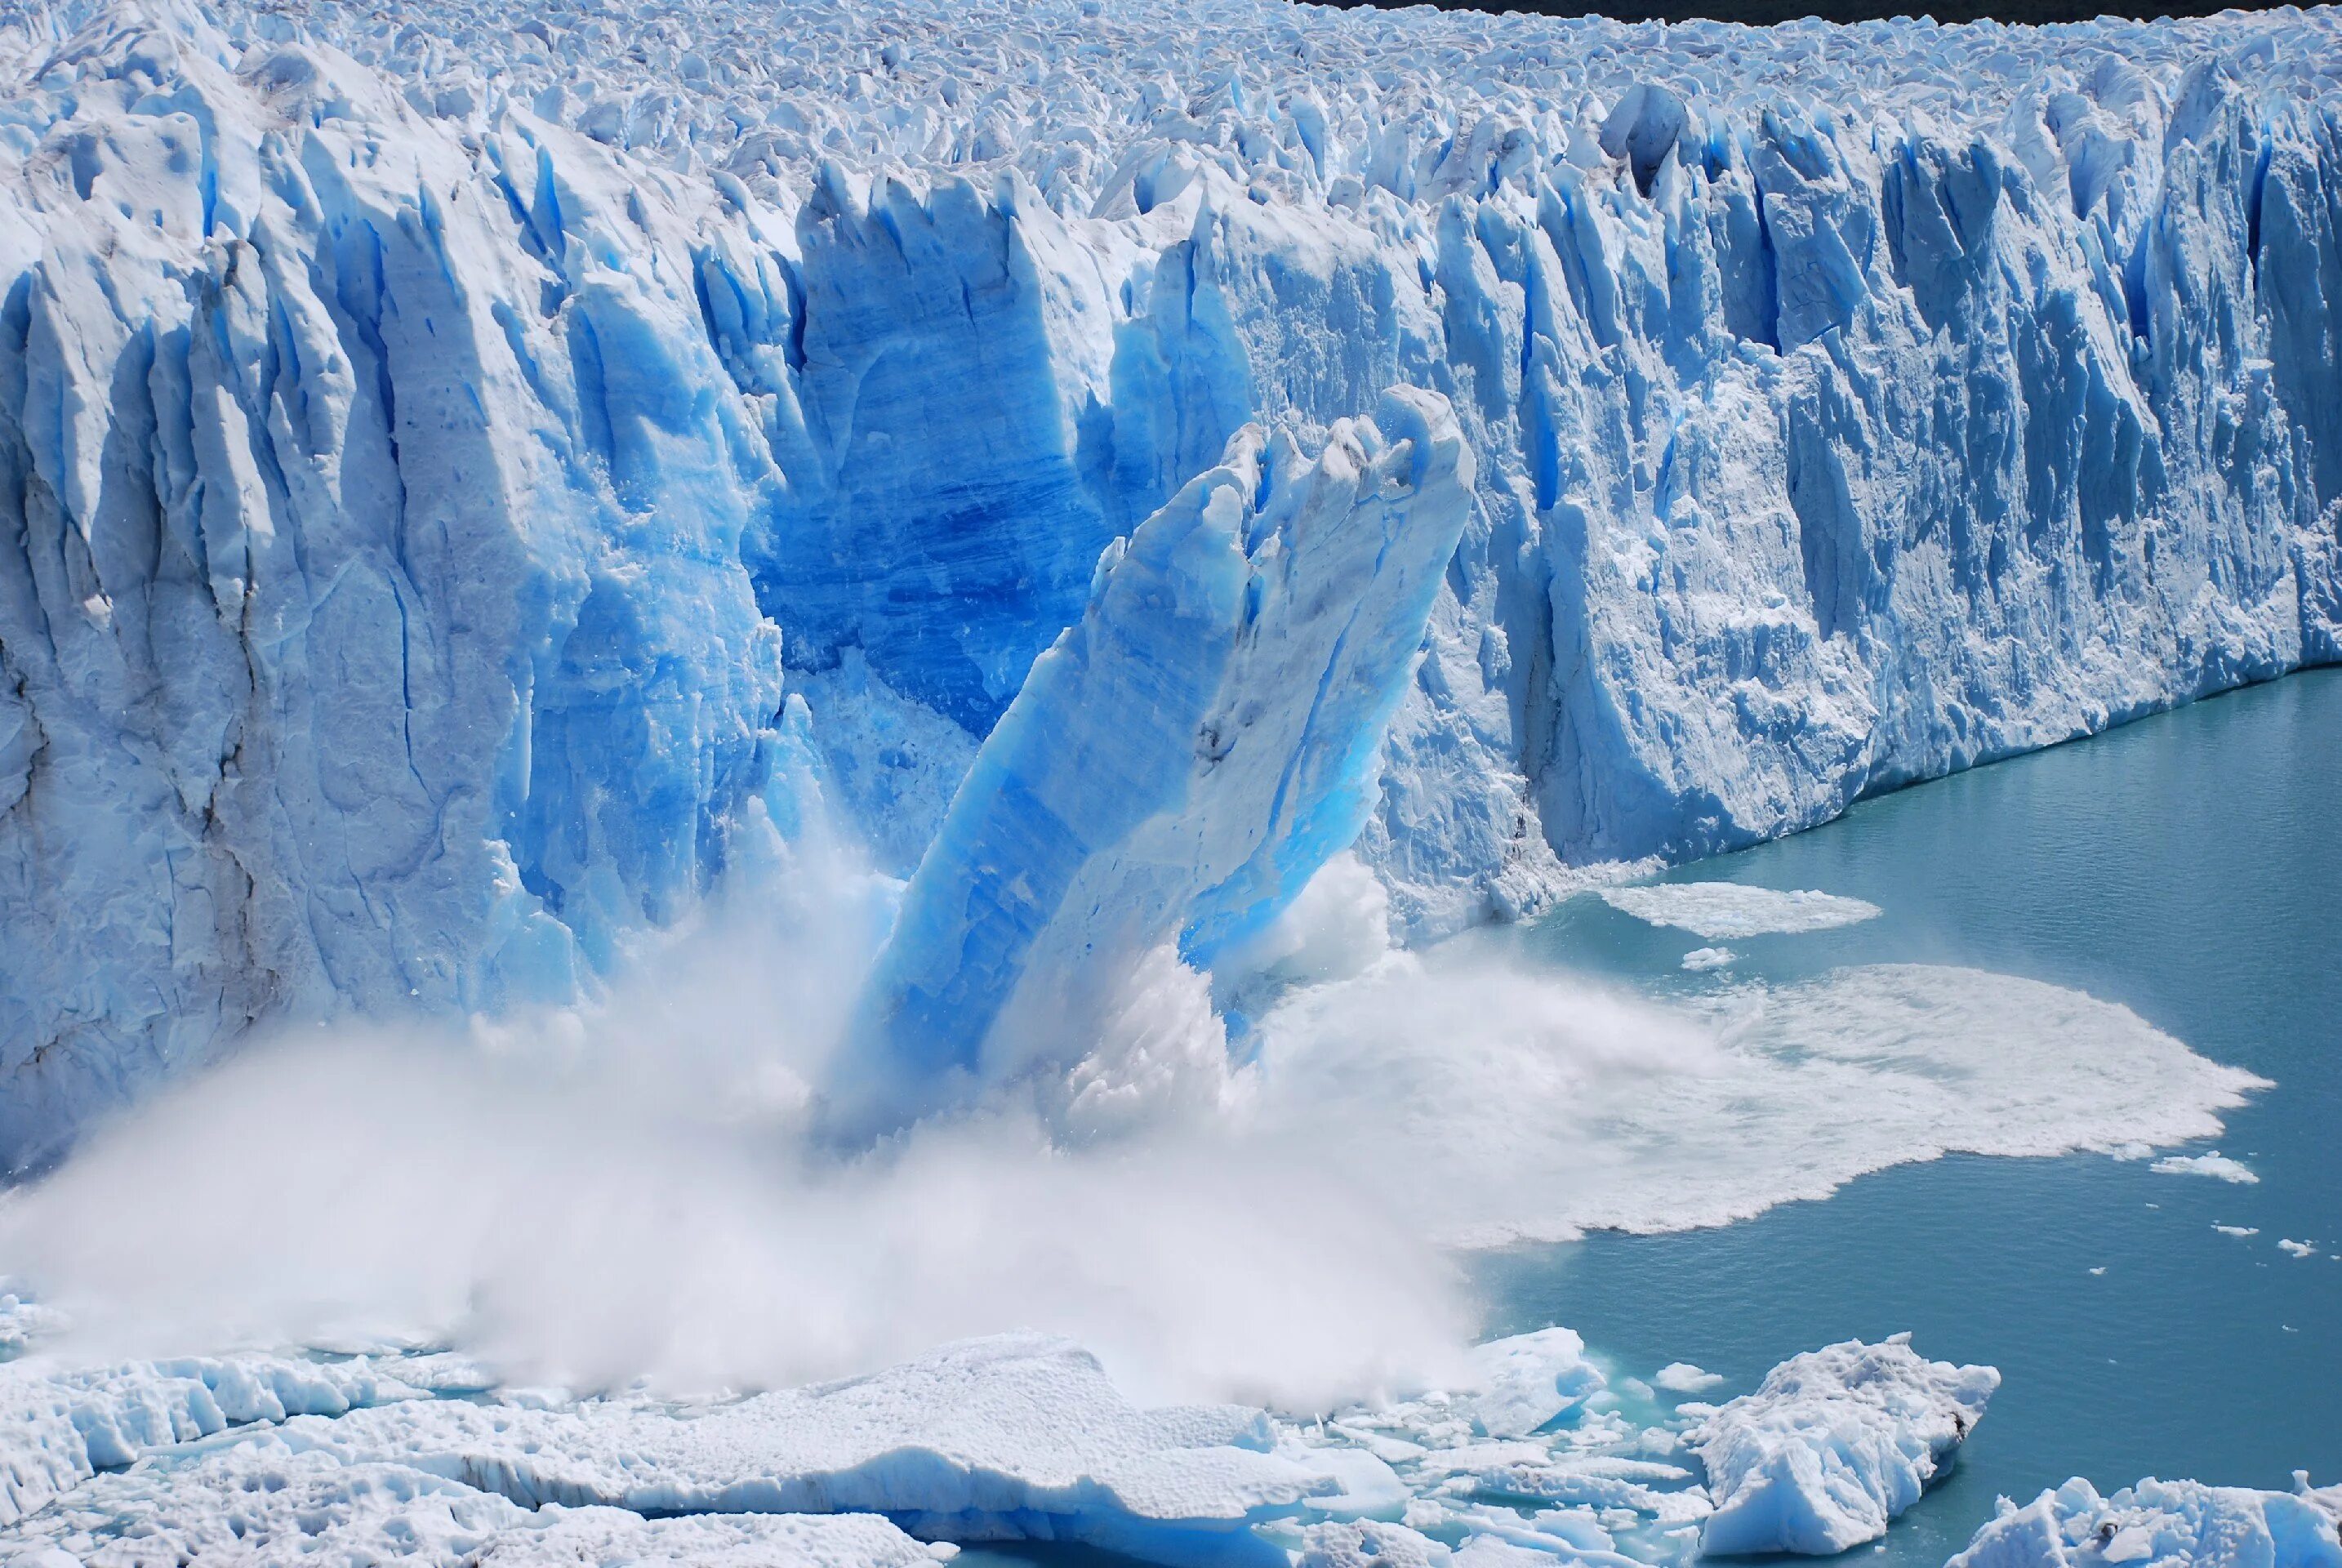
{"points": [[1503, 1103]]}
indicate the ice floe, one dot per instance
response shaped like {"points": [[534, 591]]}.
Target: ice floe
{"points": [[1730, 911], [2218, 1167], [1833, 1445]]}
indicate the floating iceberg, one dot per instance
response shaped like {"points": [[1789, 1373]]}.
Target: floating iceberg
{"points": [[1726, 911], [416, 1458], [1683, 1377], [2214, 1164], [2163, 1524], [1833, 1445], [469, 493]]}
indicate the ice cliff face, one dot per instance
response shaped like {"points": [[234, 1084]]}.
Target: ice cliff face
{"points": [[468, 491], [1182, 760]]}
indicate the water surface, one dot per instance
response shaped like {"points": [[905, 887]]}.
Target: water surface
{"points": [[2188, 867]]}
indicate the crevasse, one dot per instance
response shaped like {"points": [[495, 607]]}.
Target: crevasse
{"points": [[467, 491]]}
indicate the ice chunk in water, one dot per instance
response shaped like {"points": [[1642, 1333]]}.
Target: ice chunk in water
{"points": [[1834, 1444]]}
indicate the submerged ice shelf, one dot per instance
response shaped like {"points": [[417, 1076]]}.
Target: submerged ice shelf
{"points": [[471, 494]]}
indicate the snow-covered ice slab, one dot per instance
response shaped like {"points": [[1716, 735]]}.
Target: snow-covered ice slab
{"points": [[1833, 1445], [1726, 911], [1577, 1110], [2163, 1524], [1010, 1438], [1528, 1380], [277, 1500], [59, 1427]]}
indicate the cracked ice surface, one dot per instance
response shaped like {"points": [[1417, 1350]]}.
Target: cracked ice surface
{"points": [[1529, 1455], [1834, 1445], [1010, 1438], [437, 454]]}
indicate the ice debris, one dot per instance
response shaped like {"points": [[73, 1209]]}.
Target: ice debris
{"points": [[2214, 1164], [2163, 1524], [1180, 762], [1833, 1445], [281, 1501], [60, 1427], [1683, 1377], [1701, 958], [1726, 911]]}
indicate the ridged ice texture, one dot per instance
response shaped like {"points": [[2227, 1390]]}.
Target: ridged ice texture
{"points": [[1182, 760], [261, 1460], [430, 445]]}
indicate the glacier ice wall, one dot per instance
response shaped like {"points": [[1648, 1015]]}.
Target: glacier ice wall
{"points": [[467, 489]]}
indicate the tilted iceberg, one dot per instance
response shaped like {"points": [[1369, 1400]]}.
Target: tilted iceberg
{"points": [[1182, 760], [469, 492]]}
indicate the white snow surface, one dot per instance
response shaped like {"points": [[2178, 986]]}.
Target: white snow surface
{"points": [[278, 1500], [1728, 911], [403, 1457], [469, 488], [1833, 1445], [2163, 1524]]}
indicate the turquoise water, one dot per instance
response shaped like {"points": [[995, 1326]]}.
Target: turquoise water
{"points": [[2188, 867]]}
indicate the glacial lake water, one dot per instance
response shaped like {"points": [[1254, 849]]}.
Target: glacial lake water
{"points": [[2189, 866]]}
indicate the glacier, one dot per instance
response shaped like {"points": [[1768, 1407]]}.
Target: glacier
{"points": [[470, 494]]}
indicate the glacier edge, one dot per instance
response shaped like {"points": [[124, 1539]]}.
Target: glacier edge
{"points": [[465, 494]]}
